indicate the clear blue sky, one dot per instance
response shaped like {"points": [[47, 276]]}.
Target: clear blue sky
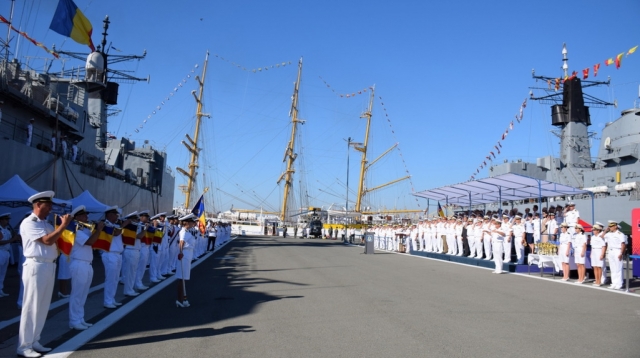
{"points": [[451, 75]]}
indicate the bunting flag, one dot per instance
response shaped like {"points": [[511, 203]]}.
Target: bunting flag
{"points": [[69, 21], [619, 60], [104, 240], [346, 95], [440, 211], [585, 73], [24, 34], [199, 212], [68, 236], [596, 67], [129, 234], [254, 70], [632, 50], [149, 235], [157, 237], [609, 61]]}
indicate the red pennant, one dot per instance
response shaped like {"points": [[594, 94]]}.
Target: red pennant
{"points": [[596, 67]]}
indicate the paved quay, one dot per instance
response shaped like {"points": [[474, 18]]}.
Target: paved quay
{"points": [[275, 297]]}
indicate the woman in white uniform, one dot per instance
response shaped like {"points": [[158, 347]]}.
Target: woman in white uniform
{"points": [[186, 245], [580, 251], [564, 251], [598, 249]]}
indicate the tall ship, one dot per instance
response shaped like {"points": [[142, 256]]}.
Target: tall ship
{"points": [[612, 177], [54, 133]]}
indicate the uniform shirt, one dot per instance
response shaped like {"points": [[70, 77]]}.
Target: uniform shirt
{"points": [[506, 227], [517, 230], [571, 217], [116, 242], [615, 240], [552, 226], [578, 241], [597, 241], [496, 237], [565, 238], [6, 236], [477, 231], [32, 229], [80, 251], [188, 238], [528, 226]]}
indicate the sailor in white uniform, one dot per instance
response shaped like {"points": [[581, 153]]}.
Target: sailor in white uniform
{"points": [[518, 239], [571, 217], [458, 233], [506, 244], [497, 238], [155, 252], [477, 237], [486, 238], [144, 251], [130, 258], [186, 246], [112, 259], [5, 245], [579, 245], [598, 253], [564, 251], [80, 267], [40, 249], [616, 245]]}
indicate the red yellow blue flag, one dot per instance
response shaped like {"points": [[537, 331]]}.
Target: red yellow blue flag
{"points": [[198, 211], [67, 238], [69, 21], [104, 239], [440, 211]]}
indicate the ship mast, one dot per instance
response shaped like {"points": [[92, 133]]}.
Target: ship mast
{"points": [[289, 154], [192, 146], [363, 149]]}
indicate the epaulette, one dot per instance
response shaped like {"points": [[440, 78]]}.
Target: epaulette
{"points": [[34, 219]]}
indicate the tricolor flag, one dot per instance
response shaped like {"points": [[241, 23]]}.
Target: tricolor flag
{"points": [[632, 50], [619, 60], [69, 21], [596, 67], [129, 234], [104, 240], [157, 238], [440, 211], [198, 211], [149, 235], [67, 238]]}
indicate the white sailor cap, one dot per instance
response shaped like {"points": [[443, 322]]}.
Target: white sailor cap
{"points": [[132, 215], [112, 209], [564, 225], [45, 196], [486, 217], [505, 216], [157, 216], [613, 223], [518, 217], [599, 223], [189, 217], [143, 212], [79, 210], [598, 226], [578, 226], [5, 216], [571, 203]]}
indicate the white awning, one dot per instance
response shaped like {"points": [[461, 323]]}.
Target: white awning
{"points": [[499, 188]]}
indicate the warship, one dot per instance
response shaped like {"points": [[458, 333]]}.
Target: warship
{"points": [[54, 134], [612, 177]]}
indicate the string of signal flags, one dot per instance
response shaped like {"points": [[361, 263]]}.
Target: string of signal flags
{"points": [[617, 60], [26, 36]]}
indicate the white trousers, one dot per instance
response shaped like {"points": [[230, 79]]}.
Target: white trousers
{"points": [[497, 254], [38, 279], [173, 255], [165, 266], [112, 264], [20, 268], [130, 258], [478, 244], [487, 248], [460, 246], [506, 248], [616, 268], [4, 264], [81, 276], [472, 245], [142, 264], [414, 244], [519, 250], [154, 263]]}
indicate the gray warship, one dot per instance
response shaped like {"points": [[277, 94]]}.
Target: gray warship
{"points": [[612, 176], [69, 149]]}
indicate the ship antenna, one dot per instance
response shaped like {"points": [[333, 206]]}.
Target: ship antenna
{"points": [[565, 60]]}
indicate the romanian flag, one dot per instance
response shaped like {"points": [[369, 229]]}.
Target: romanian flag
{"points": [[149, 235], [198, 211], [157, 237], [129, 233], [67, 238], [104, 240], [69, 21], [440, 211]]}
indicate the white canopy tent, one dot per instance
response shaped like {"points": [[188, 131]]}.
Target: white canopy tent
{"points": [[14, 195], [95, 208], [500, 188]]}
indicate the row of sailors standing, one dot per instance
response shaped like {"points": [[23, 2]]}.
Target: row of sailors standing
{"points": [[496, 238], [123, 261]]}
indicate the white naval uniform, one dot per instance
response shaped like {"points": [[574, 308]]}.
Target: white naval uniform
{"points": [[477, 236], [579, 240], [471, 240], [142, 264], [5, 255], [552, 230], [183, 270], [486, 237], [38, 278], [614, 242], [597, 245], [571, 218], [459, 244], [565, 243], [130, 259], [518, 231], [497, 244], [81, 276], [154, 259], [174, 249], [506, 244], [164, 249], [112, 261]]}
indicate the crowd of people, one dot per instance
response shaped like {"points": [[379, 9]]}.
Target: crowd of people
{"points": [[176, 241], [494, 237]]}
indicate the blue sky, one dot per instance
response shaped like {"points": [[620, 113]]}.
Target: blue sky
{"points": [[451, 75]]}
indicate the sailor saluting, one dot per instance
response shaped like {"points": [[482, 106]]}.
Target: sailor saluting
{"points": [[186, 245], [40, 250]]}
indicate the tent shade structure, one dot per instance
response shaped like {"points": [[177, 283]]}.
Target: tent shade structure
{"points": [[498, 189], [91, 204]]}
